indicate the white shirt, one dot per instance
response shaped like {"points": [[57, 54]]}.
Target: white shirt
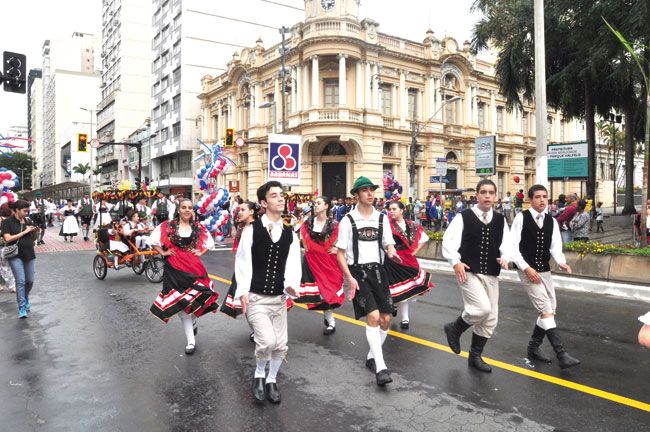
{"points": [[244, 258], [454, 234], [515, 235], [160, 201], [154, 238], [423, 238], [507, 203], [368, 250]]}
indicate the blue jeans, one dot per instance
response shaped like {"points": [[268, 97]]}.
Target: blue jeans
{"points": [[24, 275]]}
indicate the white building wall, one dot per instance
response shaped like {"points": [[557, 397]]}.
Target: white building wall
{"points": [[37, 130]]}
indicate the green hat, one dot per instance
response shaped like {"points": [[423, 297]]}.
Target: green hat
{"points": [[362, 182], [38, 193]]}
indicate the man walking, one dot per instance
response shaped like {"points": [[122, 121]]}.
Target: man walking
{"points": [[536, 238], [86, 213]]}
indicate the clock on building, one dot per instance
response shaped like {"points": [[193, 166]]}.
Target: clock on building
{"points": [[327, 5]]}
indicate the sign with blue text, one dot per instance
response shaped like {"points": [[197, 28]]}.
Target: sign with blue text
{"points": [[284, 158], [486, 154], [568, 161], [438, 179]]}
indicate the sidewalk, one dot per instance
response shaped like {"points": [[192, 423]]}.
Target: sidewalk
{"points": [[55, 243]]}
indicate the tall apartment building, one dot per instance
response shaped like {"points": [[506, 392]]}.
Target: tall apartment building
{"points": [[184, 50], [126, 76], [35, 123], [70, 82]]}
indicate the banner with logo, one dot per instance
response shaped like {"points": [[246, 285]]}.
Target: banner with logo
{"points": [[284, 158]]}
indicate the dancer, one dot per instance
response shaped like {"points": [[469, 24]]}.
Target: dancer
{"points": [[69, 227], [85, 211], [477, 246], [363, 235], [160, 208], [406, 280], [144, 212], [136, 230], [39, 211], [321, 287], [187, 289], [267, 269], [536, 238]]}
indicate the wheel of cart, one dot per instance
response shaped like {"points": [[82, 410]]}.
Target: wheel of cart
{"points": [[100, 266], [153, 269], [137, 259]]}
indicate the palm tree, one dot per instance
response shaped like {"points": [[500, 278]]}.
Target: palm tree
{"points": [[97, 171], [82, 169]]}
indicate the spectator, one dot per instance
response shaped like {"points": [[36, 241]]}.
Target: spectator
{"points": [[344, 209], [580, 223], [507, 207], [417, 208], [519, 201], [498, 207], [599, 218], [554, 209], [566, 215]]}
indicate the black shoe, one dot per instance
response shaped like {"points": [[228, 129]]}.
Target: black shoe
{"points": [[533, 352], [453, 330], [258, 389], [383, 377], [273, 393], [189, 349], [252, 337], [404, 325], [475, 360], [566, 361], [370, 364], [329, 330], [394, 312]]}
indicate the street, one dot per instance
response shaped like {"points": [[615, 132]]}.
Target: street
{"points": [[92, 357]]}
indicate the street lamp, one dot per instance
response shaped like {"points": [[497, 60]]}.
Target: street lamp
{"points": [[90, 137], [275, 111]]}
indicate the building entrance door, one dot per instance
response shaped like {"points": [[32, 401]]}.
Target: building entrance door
{"points": [[334, 180]]}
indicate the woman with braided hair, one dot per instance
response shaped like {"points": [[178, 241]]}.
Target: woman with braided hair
{"points": [[187, 288], [321, 287]]}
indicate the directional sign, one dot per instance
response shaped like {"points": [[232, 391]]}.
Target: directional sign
{"points": [[437, 179], [486, 152], [441, 166]]}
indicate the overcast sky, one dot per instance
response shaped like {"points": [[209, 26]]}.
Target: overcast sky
{"points": [[27, 23]]}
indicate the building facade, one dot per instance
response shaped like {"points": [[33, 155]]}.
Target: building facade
{"points": [[184, 49], [35, 123], [70, 82], [126, 79]]}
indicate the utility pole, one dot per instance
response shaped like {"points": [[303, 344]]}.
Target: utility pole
{"points": [[283, 76], [541, 159]]}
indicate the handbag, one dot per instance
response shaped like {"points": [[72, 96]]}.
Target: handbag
{"points": [[10, 251]]}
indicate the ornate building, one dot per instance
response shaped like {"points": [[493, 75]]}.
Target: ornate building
{"points": [[353, 95]]}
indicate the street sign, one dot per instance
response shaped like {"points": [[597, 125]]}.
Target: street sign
{"points": [[240, 142], [438, 179], [441, 166], [568, 161], [486, 154], [233, 186], [94, 143], [284, 158]]}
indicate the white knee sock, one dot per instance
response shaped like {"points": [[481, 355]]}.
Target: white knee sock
{"points": [[383, 334], [187, 326], [329, 317], [374, 340], [260, 369], [274, 368], [403, 308], [546, 323]]}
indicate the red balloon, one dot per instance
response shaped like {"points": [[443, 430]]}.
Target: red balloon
{"points": [[516, 179]]}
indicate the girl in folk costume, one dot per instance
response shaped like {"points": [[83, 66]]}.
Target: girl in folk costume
{"points": [[321, 287], [116, 245], [406, 280], [135, 229], [85, 212], [69, 227], [187, 288]]}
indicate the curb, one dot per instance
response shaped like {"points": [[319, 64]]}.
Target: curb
{"points": [[572, 283]]}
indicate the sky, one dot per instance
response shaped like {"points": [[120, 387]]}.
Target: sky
{"points": [[28, 23]]}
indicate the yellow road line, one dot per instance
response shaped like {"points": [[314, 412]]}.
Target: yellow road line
{"points": [[499, 364]]}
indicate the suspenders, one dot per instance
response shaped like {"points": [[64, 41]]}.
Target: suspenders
{"points": [[355, 238]]}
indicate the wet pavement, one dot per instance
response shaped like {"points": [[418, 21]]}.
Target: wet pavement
{"points": [[92, 358]]}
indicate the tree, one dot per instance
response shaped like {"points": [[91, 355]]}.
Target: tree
{"points": [[21, 164], [82, 169]]}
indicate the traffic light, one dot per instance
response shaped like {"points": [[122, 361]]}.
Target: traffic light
{"points": [[14, 77], [230, 137], [82, 145]]}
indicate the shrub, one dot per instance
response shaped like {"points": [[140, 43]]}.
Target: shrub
{"points": [[589, 247]]}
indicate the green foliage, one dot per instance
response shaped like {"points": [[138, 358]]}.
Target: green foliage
{"points": [[435, 235], [583, 248]]}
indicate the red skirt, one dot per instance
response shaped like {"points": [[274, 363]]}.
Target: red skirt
{"points": [[321, 287]]}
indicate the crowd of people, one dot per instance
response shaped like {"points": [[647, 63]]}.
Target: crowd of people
{"points": [[359, 249]]}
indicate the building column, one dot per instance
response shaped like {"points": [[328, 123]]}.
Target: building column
{"points": [[475, 105], [468, 105], [294, 91], [305, 87], [277, 109], [393, 101], [368, 87], [231, 111], [418, 105], [493, 113], [403, 99], [375, 89], [343, 81], [258, 102], [358, 75], [431, 95], [205, 123], [315, 83], [438, 96]]}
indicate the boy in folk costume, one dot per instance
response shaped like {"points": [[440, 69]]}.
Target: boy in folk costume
{"points": [[267, 269], [364, 234], [85, 212], [160, 208], [536, 238], [477, 246]]}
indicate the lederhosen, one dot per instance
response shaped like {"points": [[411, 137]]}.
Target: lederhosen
{"points": [[161, 211], [86, 212], [39, 217], [373, 293]]}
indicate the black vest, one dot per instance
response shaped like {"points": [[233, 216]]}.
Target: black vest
{"points": [[479, 247], [535, 242], [269, 260]]}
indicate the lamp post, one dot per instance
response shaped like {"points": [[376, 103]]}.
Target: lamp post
{"points": [[90, 137], [541, 159], [613, 121], [275, 111]]}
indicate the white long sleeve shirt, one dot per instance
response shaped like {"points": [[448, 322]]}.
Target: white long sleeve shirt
{"points": [[154, 238], [454, 235], [244, 258], [515, 235]]}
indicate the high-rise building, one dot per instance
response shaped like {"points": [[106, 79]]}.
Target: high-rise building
{"points": [[184, 50], [35, 123], [70, 82], [126, 76]]}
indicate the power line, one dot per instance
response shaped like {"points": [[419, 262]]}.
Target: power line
{"points": [[216, 42], [233, 19], [282, 4]]}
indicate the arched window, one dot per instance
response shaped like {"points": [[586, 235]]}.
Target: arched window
{"points": [[334, 148], [451, 157]]}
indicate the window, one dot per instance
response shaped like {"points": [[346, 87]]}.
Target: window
{"points": [[386, 96], [155, 89], [156, 41], [176, 130], [331, 91], [164, 58], [412, 95], [562, 125], [388, 149], [184, 160], [156, 65], [164, 134], [177, 75], [156, 112], [176, 103], [177, 21], [164, 108], [481, 116], [500, 119], [165, 32], [549, 127], [524, 123], [176, 48], [164, 83]]}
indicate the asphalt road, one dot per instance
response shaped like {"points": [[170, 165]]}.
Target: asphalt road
{"points": [[92, 358]]}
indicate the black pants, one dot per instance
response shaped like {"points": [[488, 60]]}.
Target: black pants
{"points": [[373, 291]]}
